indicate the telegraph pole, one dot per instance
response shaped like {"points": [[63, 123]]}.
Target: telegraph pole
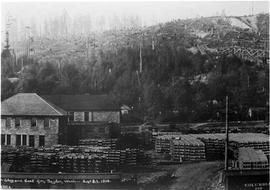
{"points": [[141, 58], [227, 136]]}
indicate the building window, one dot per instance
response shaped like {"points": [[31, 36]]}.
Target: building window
{"points": [[24, 139], [86, 116], [3, 122], [3, 139], [41, 140], [33, 122], [53, 123], [71, 116], [18, 140], [79, 116], [90, 116], [8, 139], [8, 122], [31, 140], [17, 122], [46, 123]]}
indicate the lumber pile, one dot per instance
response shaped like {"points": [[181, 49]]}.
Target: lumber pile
{"points": [[249, 158], [75, 159], [99, 142], [15, 157], [214, 145], [84, 163], [187, 148], [162, 141], [258, 141], [181, 147], [157, 134], [42, 162], [131, 155]]}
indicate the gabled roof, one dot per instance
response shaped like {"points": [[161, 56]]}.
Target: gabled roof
{"points": [[247, 154], [125, 107], [29, 104], [83, 102]]}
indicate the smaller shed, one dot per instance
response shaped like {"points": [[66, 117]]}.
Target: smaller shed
{"points": [[125, 109]]}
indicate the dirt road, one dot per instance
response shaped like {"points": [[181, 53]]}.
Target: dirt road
{"points": [[196, 176]]}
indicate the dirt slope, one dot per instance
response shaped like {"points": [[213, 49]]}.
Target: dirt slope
{"points": [[196, 176]]}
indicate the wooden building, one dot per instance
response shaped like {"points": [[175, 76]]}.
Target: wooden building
{"points": [[89, 116], [29, 120]]}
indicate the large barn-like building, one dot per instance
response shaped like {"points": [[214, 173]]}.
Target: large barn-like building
{"points": [[89, 116]]}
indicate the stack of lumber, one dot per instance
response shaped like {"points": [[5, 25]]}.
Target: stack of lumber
{"points": [[15, 157], [163, 143], [74, 158], [8, 157], [131, 155], [249, 158], [214, 145], [78, 163], [42, 162], [157, 134], [258, 141], [113, 157], [187, 148], [99, 142], [122, 157]]}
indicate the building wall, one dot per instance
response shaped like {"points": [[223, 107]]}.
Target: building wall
{"points": [[106, 116], [90, 124], [25, 127], [94, 116]]}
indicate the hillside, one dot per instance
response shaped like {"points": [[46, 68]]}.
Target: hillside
{"points": [[250, 31], [180, 70]]}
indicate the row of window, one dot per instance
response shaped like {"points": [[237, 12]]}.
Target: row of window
{"points": [[80, 116], [5, 139], [34, 122], [88, 116], [21, 140]]}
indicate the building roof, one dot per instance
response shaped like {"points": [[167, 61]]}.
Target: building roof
{"points": [[83, 102], [251, 155], [125, 107], [29, 104]]}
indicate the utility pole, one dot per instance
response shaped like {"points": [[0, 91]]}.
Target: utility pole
{"points": [[7, 40], [248, 81], [141, 44], [227, 136], [87, 49], [252, 7], [140, 57], [28, 41]]}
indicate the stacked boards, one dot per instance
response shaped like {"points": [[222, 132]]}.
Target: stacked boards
{"points": [[74, 159], [249, 158], [112, 143], [180, 146], [187, 148]]}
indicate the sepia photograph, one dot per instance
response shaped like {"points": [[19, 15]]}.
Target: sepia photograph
{"points": [[135, 95]]}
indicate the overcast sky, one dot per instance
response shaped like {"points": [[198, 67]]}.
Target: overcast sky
{"points": [[149, 11]]}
